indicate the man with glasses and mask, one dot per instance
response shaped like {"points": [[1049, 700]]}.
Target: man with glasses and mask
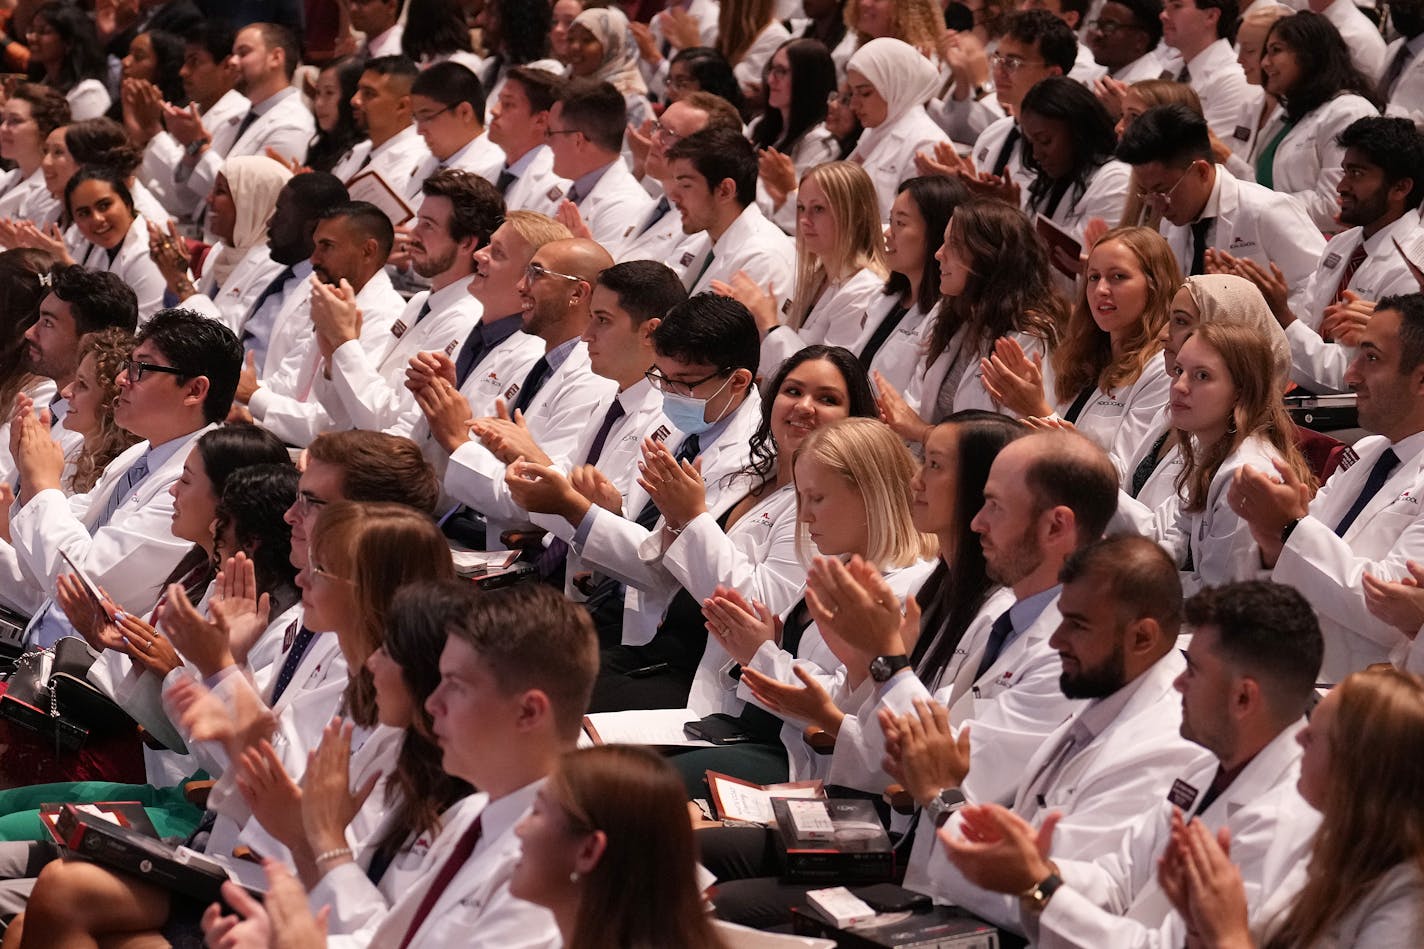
{"points": [[705, 357], [1203, 206], [586, 135], [545, 416], [178, 383], [1124, 39]]}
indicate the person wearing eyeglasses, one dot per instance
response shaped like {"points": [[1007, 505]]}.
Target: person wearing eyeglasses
{"points": [[382, 107], [519, 125], [447, 104], [1086, 69], [1124, 37], [545, 417], [179, 383], [351, 244], [1203, 206], [604, 202], [790, 133]]}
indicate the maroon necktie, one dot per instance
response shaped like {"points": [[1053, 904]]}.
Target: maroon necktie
{"points": [[463, 848], [1351, 265]]}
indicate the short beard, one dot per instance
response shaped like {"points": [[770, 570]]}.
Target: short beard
{"points": [[1100, 681]]}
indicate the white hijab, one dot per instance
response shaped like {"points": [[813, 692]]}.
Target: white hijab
{"points": [[901, 74], [620, 52], [254, 181]]}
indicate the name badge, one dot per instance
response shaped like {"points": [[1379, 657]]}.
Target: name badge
{"points": [[1330, 261], [398, 329], [450, 348], [786, 307], [1183, 795], [511, 392], [1347, 459], [1241, 133], [629, 232], [555, 193], [661, 434], [686, 259]]}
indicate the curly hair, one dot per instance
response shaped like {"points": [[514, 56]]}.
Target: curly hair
{"points": [[917, 22], [111, 349], [253, 503]]}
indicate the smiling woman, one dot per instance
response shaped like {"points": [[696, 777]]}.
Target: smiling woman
{"points": [[99, 202]]}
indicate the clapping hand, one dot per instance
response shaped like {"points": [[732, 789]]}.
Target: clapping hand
{"points": [[1014, 380], [676, 487], [923, 752], [1400, 603], [740, 627], [999, 851], [808, 703]]}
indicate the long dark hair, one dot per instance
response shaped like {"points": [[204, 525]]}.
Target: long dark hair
{"points": [[955, 593], [1010, 287], [83, 53], [762, 463], [1091, 128], [434, 28], [935, 197], [328, 147], [419, 790], [168, 54], [20, 294], [254, 501], [1323, 59], [714, 74], [813, 78]]}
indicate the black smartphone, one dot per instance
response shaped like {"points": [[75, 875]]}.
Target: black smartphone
{"points": [[718, 729], [889, 898]]}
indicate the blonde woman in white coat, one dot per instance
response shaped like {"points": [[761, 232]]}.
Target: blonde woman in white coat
{"points": [[995, 278], [1227, 413], [1111, 379], [840, 266], [889, 83], [100, 204], [1307, 67], [895, 325]]}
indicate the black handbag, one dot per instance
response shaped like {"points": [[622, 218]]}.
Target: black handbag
{"points": [[50, 694]]}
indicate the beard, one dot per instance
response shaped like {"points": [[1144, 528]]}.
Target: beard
{"points": [[432, 265], [1011, 563], [1097, 682]]}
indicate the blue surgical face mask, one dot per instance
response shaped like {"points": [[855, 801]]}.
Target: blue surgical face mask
{"points": [[689, 413]]}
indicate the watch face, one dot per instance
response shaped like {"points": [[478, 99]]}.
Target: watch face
{"points": [[879, 669]]}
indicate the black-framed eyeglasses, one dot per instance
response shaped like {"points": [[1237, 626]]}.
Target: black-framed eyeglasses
{"points": [[535, 271], [431, 117], [663, 384], [550, 133], [136, 369]]}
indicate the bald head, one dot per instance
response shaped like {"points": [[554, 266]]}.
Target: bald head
{"points": [[1065, 469], [577, 257]]}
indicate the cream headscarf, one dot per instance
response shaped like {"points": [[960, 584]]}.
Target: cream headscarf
{"points": [[620, 53], [254, 181], [899, 72], [1226, 298]]}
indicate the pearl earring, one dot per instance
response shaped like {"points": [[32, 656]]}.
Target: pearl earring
{"points": [[573, 876]]}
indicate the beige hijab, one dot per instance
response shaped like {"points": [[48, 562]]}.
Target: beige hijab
{"points": [[1226, 298], [254, 181]]}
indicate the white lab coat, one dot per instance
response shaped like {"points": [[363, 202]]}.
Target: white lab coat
{"points": [[887, 152], [1101, 789], [1103, 198], [1362, 38], [289, 326], [986, 154], [476, 910], [1385, 917], [1316, 364], [1115, 899], [1250, 132], [230, 303], [286, 126], [27, 199], [615, 545], [706, 13], [396, 160], [286, 401], [748, 70], [1121, 421], [754, 245], [88, 100], [478, 156], [835, 320], [163, 155], [1220, 84], [816, 146], [559, 422], [615, 208], [132, 265], [1160, 487], [367, 391], [1307, 162], [929, 377], [667, 243], [502, 367], [1406, 99], [131, 556], [1328, 570], [1251, 221], [537, 188], [900, 353], [963, 120]]}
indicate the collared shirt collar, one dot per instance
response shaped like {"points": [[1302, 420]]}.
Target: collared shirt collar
{"points": [[1380, 240], [159, 455], [501, 815], [587, 182], [1408, 446], [1098, 714], [1024, 613], [499, 330], [456, 156], [448, 296], [520, 167], [272, 101], [397, 140], [1212, 208], [741, 229], [557, 356]]}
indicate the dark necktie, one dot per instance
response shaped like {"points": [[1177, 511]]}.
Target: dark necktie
{"points": [[246, 124], [998, 635], [506, 178], [595, 449], [574, 195], [300, 643], [1395, 70], [687, 451], [136, 473], [278, 282], [659, 210], [1185, 75], [531, 386], [470, 355], [424, 312], [1379, 474], [1352, 265], [881, 334], [1144, 470], [1007, 152], [464, 847], [705, 264], [1199, 245], [551, 560]]}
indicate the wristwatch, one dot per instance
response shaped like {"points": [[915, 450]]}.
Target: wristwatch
{"points": [[883, 667], [1035, 898], [195, 148], [945, 804]]}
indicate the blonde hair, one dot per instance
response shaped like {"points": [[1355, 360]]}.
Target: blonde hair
{"points": [[111, 349], [859, 245], [739, 23], [1085, 357], [874, 460], [917, 22], [1259, 411], [1372, 816], [536, 229]]}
